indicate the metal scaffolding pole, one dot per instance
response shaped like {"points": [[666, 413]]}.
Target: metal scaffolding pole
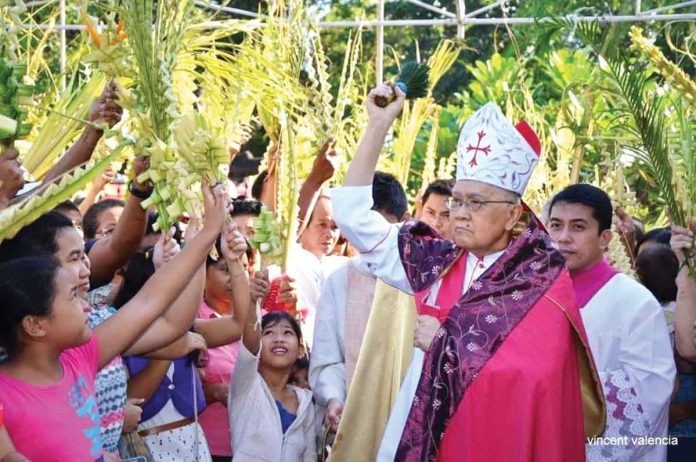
{"points": [[508, 21], [669, 7], [484, 9], [461, 14], [226, 9], [63, 45], [442, 10], [379, 67]]}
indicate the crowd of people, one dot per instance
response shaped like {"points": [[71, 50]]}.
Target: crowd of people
{"points": [[470, 328]]}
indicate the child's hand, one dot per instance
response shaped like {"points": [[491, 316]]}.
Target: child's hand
{"points": [[132, 413], [232, 243], [165, 249], [194, 342], [259, 286], [682, 242], [215, 202]]}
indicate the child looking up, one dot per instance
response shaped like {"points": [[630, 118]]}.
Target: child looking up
{"points": [[270, 419]]}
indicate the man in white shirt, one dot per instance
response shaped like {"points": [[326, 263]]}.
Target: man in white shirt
{"points": [[311, 261], [626, 329]]}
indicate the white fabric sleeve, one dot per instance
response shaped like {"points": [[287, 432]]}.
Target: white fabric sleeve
{"points": [[245, 372], [327, 368], [310, 452], [638, 392], [371, 234]]}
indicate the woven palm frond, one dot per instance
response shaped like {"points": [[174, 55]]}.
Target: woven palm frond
{"points": [[14, 218]]}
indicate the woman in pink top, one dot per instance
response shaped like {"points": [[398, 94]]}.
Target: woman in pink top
{"points": [[53, 357], [216, 375]]}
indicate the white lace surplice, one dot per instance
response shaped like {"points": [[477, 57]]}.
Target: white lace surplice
{"points": [[631, 348]]}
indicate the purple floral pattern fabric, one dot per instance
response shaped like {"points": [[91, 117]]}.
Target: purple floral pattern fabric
{"points": [[475, 328], [424, 254]]}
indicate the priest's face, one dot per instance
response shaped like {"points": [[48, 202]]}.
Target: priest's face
{"points": [[483, 216], [321, 234], [576, 231]]}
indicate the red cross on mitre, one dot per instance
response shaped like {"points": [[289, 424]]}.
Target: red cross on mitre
{"points": [[478, 148]]}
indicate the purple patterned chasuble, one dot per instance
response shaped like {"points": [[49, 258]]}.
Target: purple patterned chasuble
{"points": [[475, 327]]}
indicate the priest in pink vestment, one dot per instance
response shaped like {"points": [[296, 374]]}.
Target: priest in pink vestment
{"points": [[508, 376]]}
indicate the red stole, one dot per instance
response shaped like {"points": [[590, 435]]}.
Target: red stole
{"points": [[452, 283]]}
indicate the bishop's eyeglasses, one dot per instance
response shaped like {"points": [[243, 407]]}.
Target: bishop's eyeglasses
{"points": [[472, 205]]}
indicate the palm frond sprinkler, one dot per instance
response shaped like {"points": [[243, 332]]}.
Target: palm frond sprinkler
{"points": [[413, 80]]}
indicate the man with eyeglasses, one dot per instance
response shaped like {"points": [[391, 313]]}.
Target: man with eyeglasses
{"points": [[505, 374]]}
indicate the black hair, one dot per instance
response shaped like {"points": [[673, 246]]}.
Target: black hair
{"points": [[67, 206], [140, 269], [36, 239], [388, 195], [657, 269], [301, 363], [440, 187], [274, 317], [27, 288], [659, 235], [638, 230], [152, 219], [246, 207], [243, 165], [90, 222], [589, 196], [257, 187]]}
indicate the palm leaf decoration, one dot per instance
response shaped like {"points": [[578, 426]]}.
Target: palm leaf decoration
{"points": [[154, 36], [644, 119], [428, 175], [341, 118], [14, 218], [57, 130]]}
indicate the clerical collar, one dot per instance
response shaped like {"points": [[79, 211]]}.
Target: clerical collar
{"points": [[476, 266], [485, 262], [588, 282]]}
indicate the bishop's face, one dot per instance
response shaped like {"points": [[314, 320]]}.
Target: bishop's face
{"points": [[483, 217]]}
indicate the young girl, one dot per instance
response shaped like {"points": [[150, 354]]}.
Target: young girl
{"points": [[53, 357], [54, 234], [270, 419]]}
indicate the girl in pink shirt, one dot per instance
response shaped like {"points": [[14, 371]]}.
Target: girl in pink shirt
{"points": [[53, 357]]}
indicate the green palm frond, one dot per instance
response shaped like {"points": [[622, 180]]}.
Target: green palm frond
{"points": [[57, 131], [645, 115], [14, 218], [428, 175], [288, 191], [417, 112]]}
